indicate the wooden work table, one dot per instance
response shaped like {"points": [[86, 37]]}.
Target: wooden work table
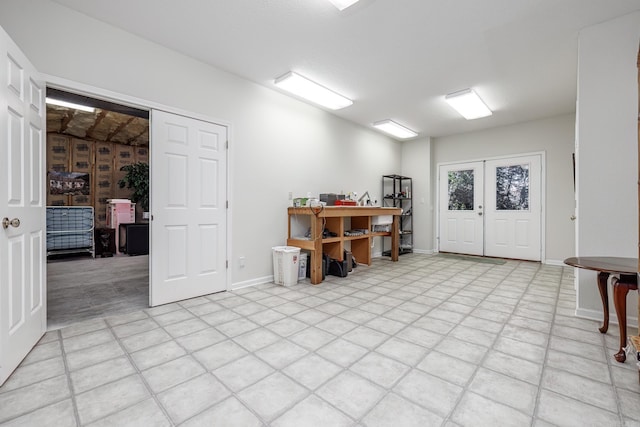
{"points": [[332, 218]]}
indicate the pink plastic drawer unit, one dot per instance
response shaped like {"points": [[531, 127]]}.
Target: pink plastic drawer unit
{"points": [[120, 211]]}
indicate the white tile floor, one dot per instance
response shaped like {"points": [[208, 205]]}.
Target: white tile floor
{"points": [[427, 341]]}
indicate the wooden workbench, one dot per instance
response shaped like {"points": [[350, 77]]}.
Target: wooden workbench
{"points": [[332, 218]]}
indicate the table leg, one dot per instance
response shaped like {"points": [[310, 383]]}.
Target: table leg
{"points": [[316, 254], [621, 288], [395, 238], [604, 294]]}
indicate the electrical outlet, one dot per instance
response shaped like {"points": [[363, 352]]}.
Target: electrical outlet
{"points": [[241, 261]]}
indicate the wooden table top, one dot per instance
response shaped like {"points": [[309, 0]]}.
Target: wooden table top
{"points": [[606, 264]]}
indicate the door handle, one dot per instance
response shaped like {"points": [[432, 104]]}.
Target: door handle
{"points": [[480, 213], [6, 222], [572, 217]]}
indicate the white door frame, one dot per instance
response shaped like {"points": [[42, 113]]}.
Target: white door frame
{"points": [[543, 196], [143, 104]]}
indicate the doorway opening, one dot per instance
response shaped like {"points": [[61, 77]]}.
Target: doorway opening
{"points": [[93, 270], [492, 207]]}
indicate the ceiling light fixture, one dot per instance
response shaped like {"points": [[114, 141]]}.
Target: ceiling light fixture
{"points": [[468, 103], [343, 4], [394, 129], [311, 91], [53, 101]]}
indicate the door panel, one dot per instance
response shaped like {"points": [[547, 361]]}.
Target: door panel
{"points": [[22, 245], [513, 208], [188, 206], [461, 193]]}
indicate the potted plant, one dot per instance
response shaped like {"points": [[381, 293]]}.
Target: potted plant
{"points": [[137, 179]]}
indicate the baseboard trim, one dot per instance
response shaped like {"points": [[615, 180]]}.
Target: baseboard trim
{"points": [[423, 251], [556, 262], [252, 282], [599, 316]]}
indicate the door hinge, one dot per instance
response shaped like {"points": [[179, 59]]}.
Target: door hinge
{"points": [[226, 144], [227, 204], [226, 264]]}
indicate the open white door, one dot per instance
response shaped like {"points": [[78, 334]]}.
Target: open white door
{"points": [[461, 228], [188, 208], [513, 208], [23, 310]]}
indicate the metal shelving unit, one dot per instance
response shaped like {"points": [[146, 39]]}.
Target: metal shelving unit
{"points": [[397, 191]]}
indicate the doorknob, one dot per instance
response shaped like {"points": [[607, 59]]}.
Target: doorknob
{"points": [[572, 217], [480, 213], [6, 222]]}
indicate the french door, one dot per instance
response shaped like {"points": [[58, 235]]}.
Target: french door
{"points": [[23, 303], [492, 208], [188, 207]]}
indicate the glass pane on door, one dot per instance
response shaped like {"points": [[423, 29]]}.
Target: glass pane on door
{"points": [[461, 190], [512, 188]]}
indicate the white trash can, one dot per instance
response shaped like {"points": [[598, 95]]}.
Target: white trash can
{"points": [[285, 265]]}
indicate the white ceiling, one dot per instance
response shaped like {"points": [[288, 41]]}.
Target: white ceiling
{"points": [[395, 59]]}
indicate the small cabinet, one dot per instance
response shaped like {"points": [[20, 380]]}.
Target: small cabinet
{"points": [[397, 191]]}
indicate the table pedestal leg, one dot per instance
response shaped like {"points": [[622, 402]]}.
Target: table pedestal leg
{"points": [[621, 288], [602, 287]]}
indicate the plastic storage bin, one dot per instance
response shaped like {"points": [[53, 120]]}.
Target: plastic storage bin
{"points": [[302, 269], [286, 260]]}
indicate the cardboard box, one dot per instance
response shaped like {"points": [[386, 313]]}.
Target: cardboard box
{"points": [[100, 211], [57, 200], [104, 152], [81, 200], [57, 167], [124, 155], [81, 155], [58, 154], [142, 154]]}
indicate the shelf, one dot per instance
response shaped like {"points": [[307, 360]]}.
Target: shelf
{"points": [[363, 236], [397, 191], [339, 219]]}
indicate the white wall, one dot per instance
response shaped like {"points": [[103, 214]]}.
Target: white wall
{"points": [[278, 144], [554, 136], [416, 164], [607, 149]]}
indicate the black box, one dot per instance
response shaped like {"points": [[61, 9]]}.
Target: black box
{"points": [[330, 198], [134, 239], [338, 268], [105, 239], [325, 259]]}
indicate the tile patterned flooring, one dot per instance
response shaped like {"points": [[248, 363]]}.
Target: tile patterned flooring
{"points": [[427, 341]]}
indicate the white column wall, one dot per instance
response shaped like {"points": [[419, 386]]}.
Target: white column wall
{"points": [[607, 151], [416, 163]]}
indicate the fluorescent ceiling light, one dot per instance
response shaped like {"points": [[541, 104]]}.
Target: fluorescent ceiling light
{"points": [[70, 105], [311, 91], [394, 129], [343, 4], [468, 103]]}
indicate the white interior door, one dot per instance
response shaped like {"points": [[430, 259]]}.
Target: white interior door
{"points": [[461, 208], [23, 313], [188, 208], [513, 208]]}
